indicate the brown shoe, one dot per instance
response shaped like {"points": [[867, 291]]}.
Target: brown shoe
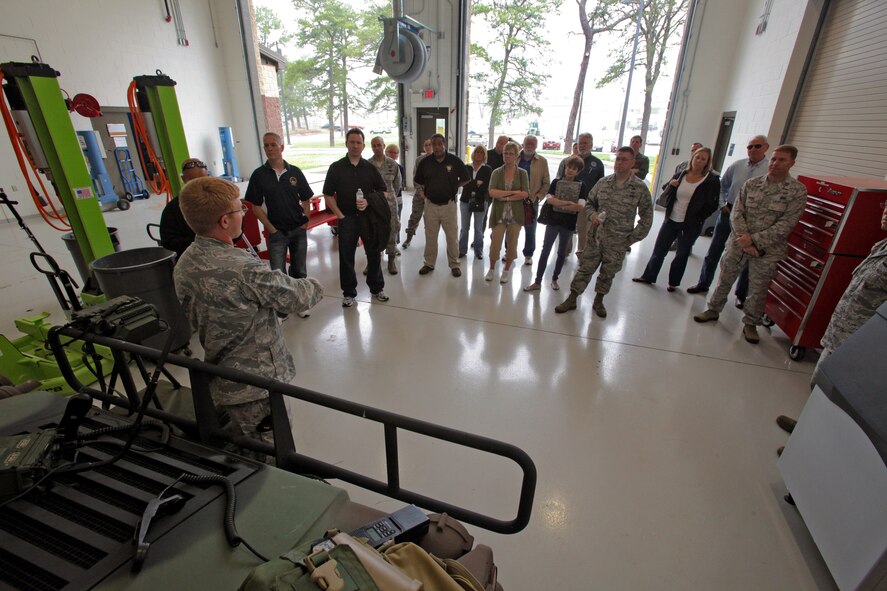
{"points": [[425, 270], [707, 316], [568, 304], [785, 423], [392, 266], [456, 272], [598, 306], [750, 332]]}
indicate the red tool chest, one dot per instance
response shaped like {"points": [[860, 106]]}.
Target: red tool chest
{"points": [[840, 224]]}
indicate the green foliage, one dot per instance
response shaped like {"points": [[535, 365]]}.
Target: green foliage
{"points": [[270, 28], [341, 38], [510, 69]]}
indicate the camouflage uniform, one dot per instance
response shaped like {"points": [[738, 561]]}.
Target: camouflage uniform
{"points": [[233, 305], [390, 172], [867, 290], [418, 204], [767, 212], [607, 244]]}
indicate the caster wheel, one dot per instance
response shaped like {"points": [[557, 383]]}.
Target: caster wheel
{"points": [[187, 352], [797, 353], [122, 204], [767, 321], [709, 232], [128, 196]]}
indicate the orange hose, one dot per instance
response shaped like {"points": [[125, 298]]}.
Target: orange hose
{"points": [[158, 182], [22, 156]]}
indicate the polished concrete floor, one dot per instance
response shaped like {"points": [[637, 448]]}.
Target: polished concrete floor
{"points": [[654, 437]]}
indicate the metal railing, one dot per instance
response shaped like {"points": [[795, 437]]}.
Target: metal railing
{"points": [[207, 429]]}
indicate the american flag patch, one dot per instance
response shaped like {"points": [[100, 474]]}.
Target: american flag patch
{"points": [[83, 193]]}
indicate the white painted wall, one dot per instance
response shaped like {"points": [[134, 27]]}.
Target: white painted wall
{"points": [[732, 69], [98, 46], [439, 75]]}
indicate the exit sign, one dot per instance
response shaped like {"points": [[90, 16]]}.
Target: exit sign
{"points": [[429, 93]]}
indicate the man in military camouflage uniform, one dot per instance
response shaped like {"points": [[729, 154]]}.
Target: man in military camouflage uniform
{"points": [[233, 298], [865, 293], [390, 172], [623, 197], [766, 210], [418, 207]]}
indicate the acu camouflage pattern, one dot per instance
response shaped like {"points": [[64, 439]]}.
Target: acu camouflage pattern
{"points": [[418, 207], [865, 293], [234, 297], [390, 172], [768, 212], [608, 242]]}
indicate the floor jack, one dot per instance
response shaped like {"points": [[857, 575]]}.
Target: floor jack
{"points": [[27, 357]]}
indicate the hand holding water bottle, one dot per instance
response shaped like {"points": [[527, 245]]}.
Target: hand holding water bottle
{"points": [[360, 200]]}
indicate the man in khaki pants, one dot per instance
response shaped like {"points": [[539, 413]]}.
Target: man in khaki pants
{"points": [[441, 174]]}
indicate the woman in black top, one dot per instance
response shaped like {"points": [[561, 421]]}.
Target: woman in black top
{"points": [[473, 203], [693, 196]]}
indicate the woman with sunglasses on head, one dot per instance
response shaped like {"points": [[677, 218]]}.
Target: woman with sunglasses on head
{"points": [[509, 186], [692, 197]]}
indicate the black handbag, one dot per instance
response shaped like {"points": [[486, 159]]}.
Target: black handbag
{"points": [[545, 213]]}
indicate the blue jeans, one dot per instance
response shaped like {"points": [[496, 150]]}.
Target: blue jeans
{"points": [[715, 250], [296, 242], [349, 235], [477, 245], [686, 235], [530, 233], [563, 236]]}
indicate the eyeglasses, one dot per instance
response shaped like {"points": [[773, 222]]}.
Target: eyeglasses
{"points": [[243, 209], [193, 164], [754, 146]]}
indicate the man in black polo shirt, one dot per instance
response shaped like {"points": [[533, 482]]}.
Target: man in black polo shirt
{"points": [[441, 174], [588, 176], [343, 179], [281, 187]]}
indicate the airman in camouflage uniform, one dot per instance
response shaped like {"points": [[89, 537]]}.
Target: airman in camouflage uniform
{"points": [[865, 293], [418, 207], [390, 172], [234, 298], [623, 197], [766, 210]]}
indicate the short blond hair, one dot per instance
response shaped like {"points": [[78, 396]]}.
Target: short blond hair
{"points": [[482, 150], [511, 147], [203, 201]]}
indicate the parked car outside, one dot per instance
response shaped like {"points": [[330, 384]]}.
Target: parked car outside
{"points": [[327, 126], [381, 131], [551, 145]]}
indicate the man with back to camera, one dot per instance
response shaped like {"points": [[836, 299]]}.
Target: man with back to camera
{"points": [[418, 206], [441, 174], [494, 157], [233, 299], [343, 179], [537, 168], [766, 210], [390, 172], [175, 233], [623, 198], [281, 187], [731, 182], [589, 176]]}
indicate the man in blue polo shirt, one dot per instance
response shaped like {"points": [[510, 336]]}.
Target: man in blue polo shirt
{"points": [[281, 187]]}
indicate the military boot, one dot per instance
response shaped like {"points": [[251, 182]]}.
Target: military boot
{"points": [[568, 304], [598, 305], [406, 243], [392, 265]]}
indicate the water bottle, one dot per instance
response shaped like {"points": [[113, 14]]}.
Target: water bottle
{"points": [[360, 197]]}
